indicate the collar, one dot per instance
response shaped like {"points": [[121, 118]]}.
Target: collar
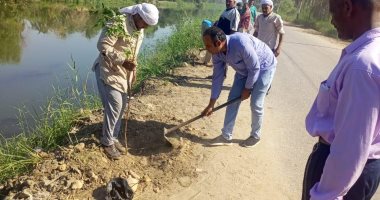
{"points": [[365, 37]]}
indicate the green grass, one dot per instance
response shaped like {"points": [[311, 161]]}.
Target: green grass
{"points": [[52, 125], [175, 4], [288, 13], [323, 26], [326, 28], [180, 4], [51, 128], [171, 53]]}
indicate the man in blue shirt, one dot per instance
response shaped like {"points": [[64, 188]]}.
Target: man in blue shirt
{"points": [[255, 65]]}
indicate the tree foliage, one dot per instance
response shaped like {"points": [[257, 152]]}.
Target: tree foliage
{"points": [[311, 13]]}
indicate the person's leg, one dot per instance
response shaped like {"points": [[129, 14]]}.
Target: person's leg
{"points": [[100, 84], [314, 168], [365, 187], [103, 96], [112, 113], [118, 124], [257, 100], [108, 96], [232, 109], [124, 104]]}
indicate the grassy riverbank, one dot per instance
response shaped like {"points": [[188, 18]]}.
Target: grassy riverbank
{"points": [[171, 53], [46, 130], [52, 127]]}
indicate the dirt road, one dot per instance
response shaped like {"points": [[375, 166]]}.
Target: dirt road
{"points": [[273, 169], [192, 170]]}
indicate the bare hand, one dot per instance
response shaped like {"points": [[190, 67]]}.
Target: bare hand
{"points": [[128, 65], [245, 94], [207, 111]]}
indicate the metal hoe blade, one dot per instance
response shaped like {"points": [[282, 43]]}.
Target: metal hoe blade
{"points": [[167, 131]]}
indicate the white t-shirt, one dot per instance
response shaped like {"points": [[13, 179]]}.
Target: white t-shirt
{"points": [[268, 28]]}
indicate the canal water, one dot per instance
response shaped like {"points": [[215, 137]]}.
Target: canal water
{"points": [[38, 42]]}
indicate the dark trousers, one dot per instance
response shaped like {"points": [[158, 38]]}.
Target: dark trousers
{"points": [[364, 188]]}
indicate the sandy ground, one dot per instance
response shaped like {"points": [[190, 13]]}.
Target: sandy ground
{"points": [[192, 169], [274, 168]]}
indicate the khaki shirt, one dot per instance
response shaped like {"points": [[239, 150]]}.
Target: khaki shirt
{"points": [[268, 28], [112, 55]]}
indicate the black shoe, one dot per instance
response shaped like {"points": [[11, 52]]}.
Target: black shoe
{"points": [[112, 152], [250, 142]]}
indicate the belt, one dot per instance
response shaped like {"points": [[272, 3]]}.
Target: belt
{"points": [[323, 141]]}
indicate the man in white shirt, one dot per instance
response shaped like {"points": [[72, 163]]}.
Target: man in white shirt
{"points": [[269, 26], [230, 18]]}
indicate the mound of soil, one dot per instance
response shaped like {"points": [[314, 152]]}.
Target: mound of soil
{"points": [[81, 170]]}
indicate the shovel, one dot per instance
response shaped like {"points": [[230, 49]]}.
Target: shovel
{"points": [[167, 131]]}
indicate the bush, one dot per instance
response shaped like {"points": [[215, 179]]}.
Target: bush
{"points": [[171, 53]]}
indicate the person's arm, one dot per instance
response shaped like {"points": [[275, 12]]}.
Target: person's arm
{"points": [[136, 52], [257, 26], [252, 63], [278, 49], [138, 45], [110, 55], [217, 77], [356, 115], [235, 21], [280, 30], [217, 84]]}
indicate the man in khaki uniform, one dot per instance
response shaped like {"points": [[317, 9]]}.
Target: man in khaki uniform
{"points": [[116, 65]]}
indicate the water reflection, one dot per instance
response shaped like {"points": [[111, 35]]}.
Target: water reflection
{"points": [[60, 19], [10, 38], [38, 40]]}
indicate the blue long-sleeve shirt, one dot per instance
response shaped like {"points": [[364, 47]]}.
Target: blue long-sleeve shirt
{"points": [[247, 55]]}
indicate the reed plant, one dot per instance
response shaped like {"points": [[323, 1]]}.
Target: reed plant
{"points": [[46, 128], [172, 52], [53, 122]]}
